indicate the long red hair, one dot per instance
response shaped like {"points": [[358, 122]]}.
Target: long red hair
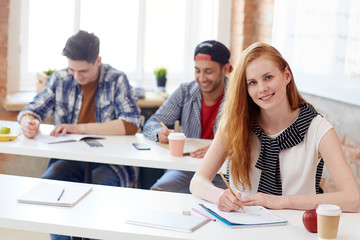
{"points": [[240, 111]]}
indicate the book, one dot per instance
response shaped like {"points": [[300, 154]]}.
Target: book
{"points": [[169, 221], [254, 216], [67, 138], [52, 194]]}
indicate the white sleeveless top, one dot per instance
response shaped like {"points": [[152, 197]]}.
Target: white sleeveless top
{"points": [[298, 164]]}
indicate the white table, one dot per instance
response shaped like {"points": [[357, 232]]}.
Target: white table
{"points": [[103, 212], [116, 150]]}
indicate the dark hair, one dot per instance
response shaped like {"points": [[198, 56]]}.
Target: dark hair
{"points": [[82, 46]]}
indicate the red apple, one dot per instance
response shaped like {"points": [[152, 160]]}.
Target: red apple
{"points": [[310, 220]]}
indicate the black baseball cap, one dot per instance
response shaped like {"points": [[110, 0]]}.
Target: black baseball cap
{"points": [[215, 50]]}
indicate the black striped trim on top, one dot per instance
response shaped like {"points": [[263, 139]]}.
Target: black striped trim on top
{"points": [[269, 163]]}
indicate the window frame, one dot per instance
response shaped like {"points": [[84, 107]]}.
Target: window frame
{"points": [[19, 13]]}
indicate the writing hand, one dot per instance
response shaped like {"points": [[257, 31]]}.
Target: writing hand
{"points": [[228, 202], [163, 135], [30, 126]]}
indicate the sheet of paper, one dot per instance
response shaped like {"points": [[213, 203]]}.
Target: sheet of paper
{"points": [[252, 215]]}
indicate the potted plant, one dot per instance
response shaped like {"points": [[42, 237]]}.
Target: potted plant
{"points": [[42, 77], [160, 74]]}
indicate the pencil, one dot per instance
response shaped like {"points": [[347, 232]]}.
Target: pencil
{"points": [[227, 184], [203, 214], [162, 124], [31, 121]]}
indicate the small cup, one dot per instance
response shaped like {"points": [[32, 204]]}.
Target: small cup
{"points": [[176, 144], [328, 217]]}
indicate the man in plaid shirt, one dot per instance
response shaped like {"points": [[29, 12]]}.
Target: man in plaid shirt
{"points": [[88, 97]]}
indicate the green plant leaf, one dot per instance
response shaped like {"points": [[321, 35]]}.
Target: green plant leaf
{"points": [[160, 72], [49, 72]]}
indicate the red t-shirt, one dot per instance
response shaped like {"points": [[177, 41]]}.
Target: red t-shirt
{"points": [[208, 118]]}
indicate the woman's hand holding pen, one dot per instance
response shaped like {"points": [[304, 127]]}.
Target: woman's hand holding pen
{"points": [[236, 202], [228, 202]]}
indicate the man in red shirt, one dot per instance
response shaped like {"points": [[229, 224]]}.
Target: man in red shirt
{"points": [[196, 105]]}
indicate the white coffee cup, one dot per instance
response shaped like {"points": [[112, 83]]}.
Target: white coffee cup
{"points": [[176, 144], [328, 217]]}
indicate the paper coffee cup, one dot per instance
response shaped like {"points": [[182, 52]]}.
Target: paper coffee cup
{"points": [[328, 217], [176, 144]]}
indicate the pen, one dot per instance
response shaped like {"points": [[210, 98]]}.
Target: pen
{"points": [[227, 184], [202, 214], [62, 192], [162, 124]]}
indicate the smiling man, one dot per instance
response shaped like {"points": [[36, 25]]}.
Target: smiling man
{"points": [[88, 97], [196, 105]]}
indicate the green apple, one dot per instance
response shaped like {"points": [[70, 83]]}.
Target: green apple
{"points": [[4, 130]]}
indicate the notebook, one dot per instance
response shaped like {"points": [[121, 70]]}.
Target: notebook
{"points": [[254, 216], [67, 138], [169, 221], [55, 194]]}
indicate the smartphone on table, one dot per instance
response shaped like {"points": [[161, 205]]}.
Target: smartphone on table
{"points": [[141, 146], [93, 143]]}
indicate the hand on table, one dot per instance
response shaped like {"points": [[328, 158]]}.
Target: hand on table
{"points": [[200, 152], [265, 200], [63, 129]]}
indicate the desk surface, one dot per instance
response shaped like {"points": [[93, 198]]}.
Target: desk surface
{"points": [[103, 212], [116, 150]]}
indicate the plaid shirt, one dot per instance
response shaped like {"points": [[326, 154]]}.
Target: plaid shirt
{"points": [[183, 105], [114, 99]]}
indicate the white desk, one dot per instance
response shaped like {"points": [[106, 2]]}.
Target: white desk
{"points": [[116, 150], [103, 212]]}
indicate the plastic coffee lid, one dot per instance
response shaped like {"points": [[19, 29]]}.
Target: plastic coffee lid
{"points": [[176, 136], [328, 210]]}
